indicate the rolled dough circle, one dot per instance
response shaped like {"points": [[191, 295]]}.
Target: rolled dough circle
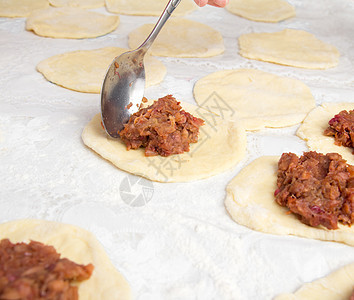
{"points": [[180, 38], [289, 47], [70, 22], [257, 98], [311, 130], [148, 7], [84, 70], [78, 3], [250, 202], [336, 286], [221, 145], [78, 245], [262, 10], [20, 8]]}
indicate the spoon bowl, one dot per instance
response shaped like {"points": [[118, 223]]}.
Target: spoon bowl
{"points": [[124, 85]]}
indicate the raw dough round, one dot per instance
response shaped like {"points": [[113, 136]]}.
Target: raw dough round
{"points": [[262, 10], [71, 23], [258, 98], [78, 3], [148, 7], [78, 245], [84, 70], [20, 8], [250, 202], [290, 47], [336, 286], [221, 145], [180, 38], [315, 124]]}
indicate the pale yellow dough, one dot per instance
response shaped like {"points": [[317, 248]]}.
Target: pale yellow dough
{"points": [[181, 38], [85, 70], [148, 7], [257, 98], [250, 202], [336, 286], [315, 124], [78, 245], [20, 8], [290, 47], [71, 23], [262, 10], [78, 3], [220, 147]]}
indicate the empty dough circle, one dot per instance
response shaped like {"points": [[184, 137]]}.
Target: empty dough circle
{"points": [[221, 145], [84, 70], [290, 47], [78, 3], [257, 98], [20, 8], [78, 245], [250, 202], [70, 22], [336, 286], [180, 38], [315, 124], [262, 10], [148, 7]]}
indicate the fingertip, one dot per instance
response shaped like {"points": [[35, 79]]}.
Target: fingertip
{"points": [[201, 3]]}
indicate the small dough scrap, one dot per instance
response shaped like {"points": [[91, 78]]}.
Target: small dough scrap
{"points": [[315, 124], [70, 23], [180, 38], [78, 245], [78, 3], [250, 202], [336, 286], [258, 98], [221, 145], [20, 8], [262, 10], [148, 7], [84, 70], [289, 47]]}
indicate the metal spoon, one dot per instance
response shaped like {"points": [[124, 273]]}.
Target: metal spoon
{"points": [[124, 84]]}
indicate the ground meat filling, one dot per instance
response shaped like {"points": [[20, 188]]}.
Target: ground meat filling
{"points": [[35, 271], [318, 188], [341, 127], [162, 128]]}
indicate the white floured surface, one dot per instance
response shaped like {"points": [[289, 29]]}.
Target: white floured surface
{"points": [[181, 244]]}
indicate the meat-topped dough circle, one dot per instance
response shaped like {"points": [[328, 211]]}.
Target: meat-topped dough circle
{"points": [[180, 38], [148, 7], [257, 98], [84, 70], [262, 10], [20, 8], [77, 3], [289, 47], [316, 123], [70, 22], [78, 245], [221, 145], [251, 203]]}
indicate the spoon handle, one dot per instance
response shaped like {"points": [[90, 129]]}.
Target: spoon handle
{"points": [[171, 6]]}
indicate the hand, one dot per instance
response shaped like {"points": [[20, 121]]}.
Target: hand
{"points": [[217, 3]]}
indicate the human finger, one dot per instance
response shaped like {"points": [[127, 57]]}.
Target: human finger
{"points": [[201, 2]]}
